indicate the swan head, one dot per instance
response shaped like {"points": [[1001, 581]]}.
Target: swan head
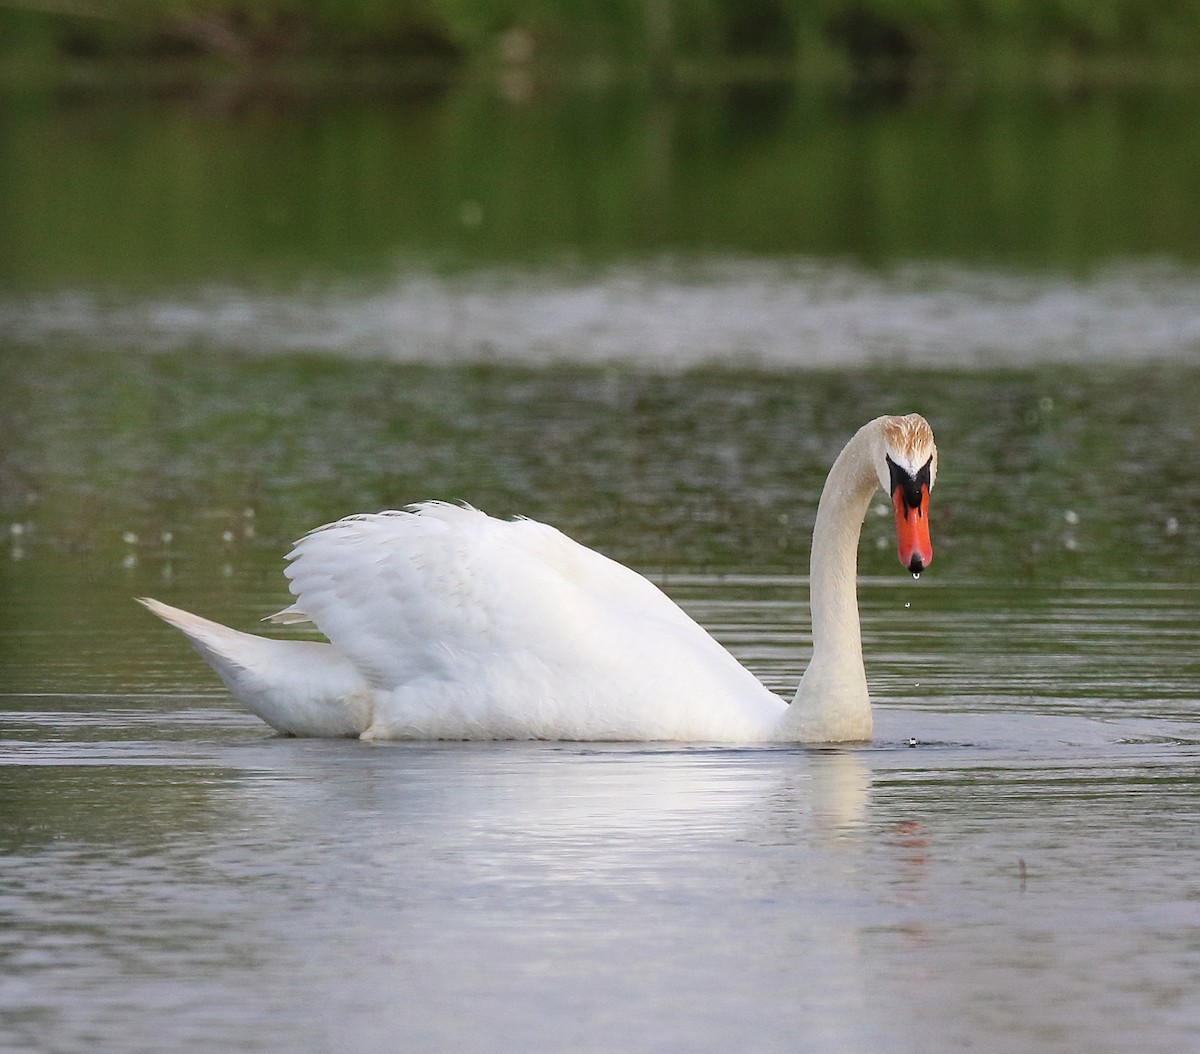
{"points": [[907, 468]]}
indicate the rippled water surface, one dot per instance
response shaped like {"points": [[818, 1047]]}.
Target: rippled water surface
{"points": [[1012, 865]]}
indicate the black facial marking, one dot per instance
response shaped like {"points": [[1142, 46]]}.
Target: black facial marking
{"points": [[908, 485]]}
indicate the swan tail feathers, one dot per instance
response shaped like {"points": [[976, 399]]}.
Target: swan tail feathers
{"points": [[299, 687]]}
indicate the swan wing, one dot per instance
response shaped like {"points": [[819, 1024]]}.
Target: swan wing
{"points": [[435, 589]]}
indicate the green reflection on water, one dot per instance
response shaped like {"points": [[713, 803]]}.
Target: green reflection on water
{"points": [[147, 193]]}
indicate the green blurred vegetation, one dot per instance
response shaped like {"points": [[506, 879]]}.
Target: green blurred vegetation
{"points": [[144, 193], [862, 38]]}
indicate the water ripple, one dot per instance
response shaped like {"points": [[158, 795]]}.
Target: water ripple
{"points": [[666, 314]]}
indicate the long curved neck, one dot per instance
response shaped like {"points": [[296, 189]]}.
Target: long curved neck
{"points": [[832, 704]]}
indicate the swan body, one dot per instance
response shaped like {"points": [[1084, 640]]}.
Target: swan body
{"points": [[444, 623]]}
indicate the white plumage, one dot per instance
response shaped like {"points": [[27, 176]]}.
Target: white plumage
{"points": [[444, 623]]}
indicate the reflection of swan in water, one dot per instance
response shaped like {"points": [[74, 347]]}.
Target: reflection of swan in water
{"points": [[840, 790], [444, 623], [576, 796]]}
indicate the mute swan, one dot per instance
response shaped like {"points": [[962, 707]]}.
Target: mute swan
{"points": [[444, 623]]}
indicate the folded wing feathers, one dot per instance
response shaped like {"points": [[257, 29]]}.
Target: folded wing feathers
{"points": [[289, 616], [410, 592], [385, 588]]}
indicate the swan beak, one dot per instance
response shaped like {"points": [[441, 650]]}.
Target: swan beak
{"points": [[912, 528]]}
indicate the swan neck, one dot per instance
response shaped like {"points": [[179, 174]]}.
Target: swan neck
{"points": [[833, 563], [831, 703]]}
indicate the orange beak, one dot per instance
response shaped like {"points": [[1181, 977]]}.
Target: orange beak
{"points": [[912, 528]]}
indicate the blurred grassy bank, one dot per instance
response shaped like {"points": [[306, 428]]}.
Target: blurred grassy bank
{"points": [[900, 40]]}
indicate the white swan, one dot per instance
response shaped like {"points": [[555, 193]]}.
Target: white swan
{"points": [[444, 623]]}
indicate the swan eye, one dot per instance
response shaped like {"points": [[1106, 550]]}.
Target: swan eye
{"points": [[911, 487]]}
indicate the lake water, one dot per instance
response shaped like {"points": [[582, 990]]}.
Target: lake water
{"points": [[203, 357]]}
